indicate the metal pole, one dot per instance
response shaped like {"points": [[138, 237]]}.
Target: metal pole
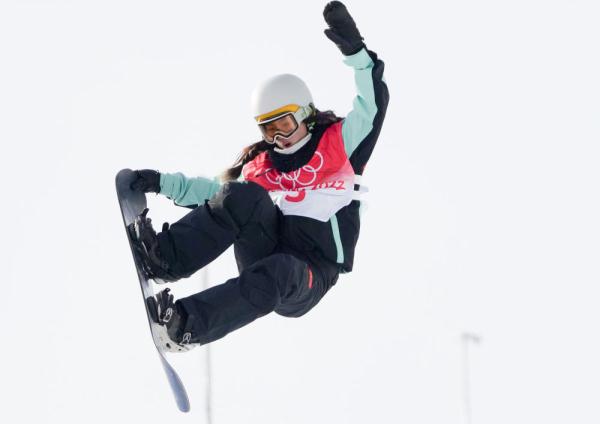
{"points": [[467, 338], [208, 369]]}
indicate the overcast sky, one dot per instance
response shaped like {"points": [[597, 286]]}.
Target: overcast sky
{"points": [[483, 214]]}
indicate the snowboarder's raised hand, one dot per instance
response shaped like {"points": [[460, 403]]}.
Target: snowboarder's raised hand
{"points": [[342, 28], [147, 181]]}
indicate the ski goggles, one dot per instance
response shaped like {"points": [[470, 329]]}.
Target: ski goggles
{"points": [[283, 122]]}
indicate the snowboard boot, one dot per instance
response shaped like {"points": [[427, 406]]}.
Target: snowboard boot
{"points": [[146, 244], [169, 331]]}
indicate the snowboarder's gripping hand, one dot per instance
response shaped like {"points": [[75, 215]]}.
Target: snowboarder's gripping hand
{"points": [[342, 28], [146, 181]]}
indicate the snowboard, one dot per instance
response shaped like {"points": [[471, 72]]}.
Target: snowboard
{"points": [[132, 203]]}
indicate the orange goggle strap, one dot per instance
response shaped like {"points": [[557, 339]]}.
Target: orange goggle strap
{"points": [[300, 113], [274, 114]]}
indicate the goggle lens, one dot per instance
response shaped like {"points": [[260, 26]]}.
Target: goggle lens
{"points": [[283, 125]]}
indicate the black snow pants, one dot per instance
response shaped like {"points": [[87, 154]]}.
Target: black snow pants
{"points": [[273, 276]]}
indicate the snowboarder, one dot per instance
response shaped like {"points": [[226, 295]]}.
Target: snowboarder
{"points": [[288, 205]]}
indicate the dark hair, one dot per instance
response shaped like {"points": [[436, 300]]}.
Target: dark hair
{"points": [[319, 118], [248, 153]]}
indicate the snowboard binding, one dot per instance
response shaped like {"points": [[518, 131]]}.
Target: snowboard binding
{"points": [[147, 249], [169, 322]]}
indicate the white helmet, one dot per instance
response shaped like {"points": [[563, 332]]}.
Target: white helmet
{"points": [[279, 96]]}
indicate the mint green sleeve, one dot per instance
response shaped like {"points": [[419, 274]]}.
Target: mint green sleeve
{"points": [[359, 121], [186, 191]]}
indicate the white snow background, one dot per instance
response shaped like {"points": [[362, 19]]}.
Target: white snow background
{"points": [[483, 213]]}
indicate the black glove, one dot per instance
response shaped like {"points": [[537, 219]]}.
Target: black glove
{"points": [[147, 181], [342, 28]]}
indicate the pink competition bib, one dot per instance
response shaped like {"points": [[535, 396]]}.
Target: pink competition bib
{"points": [[317, 190]]}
